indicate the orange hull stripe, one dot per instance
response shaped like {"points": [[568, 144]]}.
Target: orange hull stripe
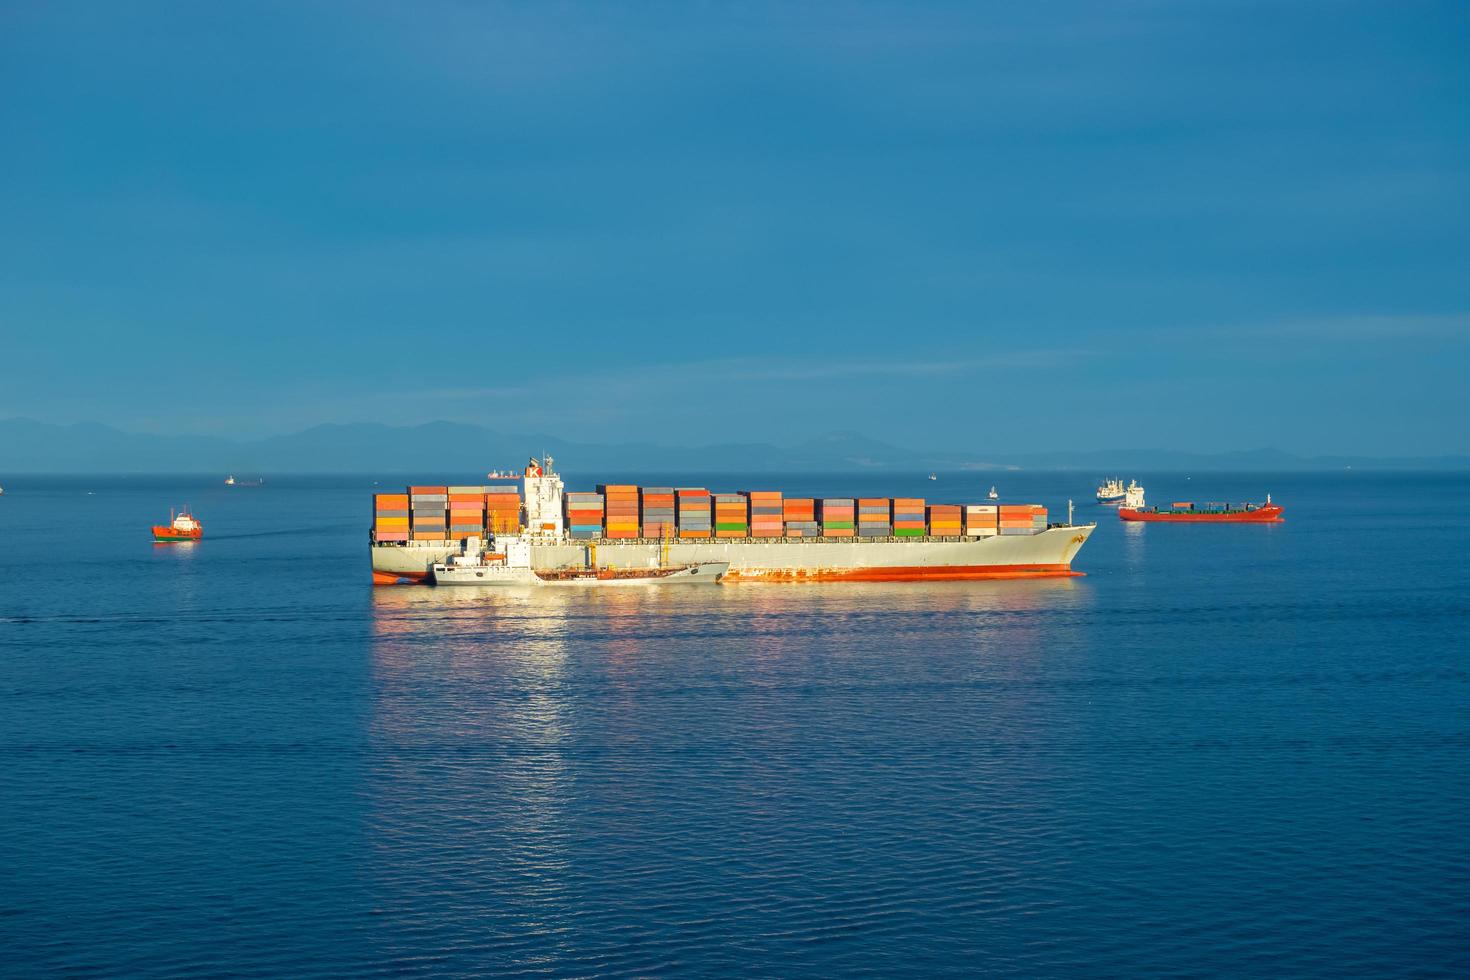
{"points": [[399, 578]]}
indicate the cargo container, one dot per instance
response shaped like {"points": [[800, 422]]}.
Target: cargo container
{"points": [[657, 512], [621, 510], [765, 513], [874, 517], [692, 512], [732, 515], [584, 515], [838, 517], [945, 520], [908, 517], [502, 508]]}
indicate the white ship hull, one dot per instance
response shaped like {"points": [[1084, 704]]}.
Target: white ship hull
{"points": [[708, 573]]}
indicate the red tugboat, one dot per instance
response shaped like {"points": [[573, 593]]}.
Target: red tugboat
{"points": [[1179, 513], [181, 527]]}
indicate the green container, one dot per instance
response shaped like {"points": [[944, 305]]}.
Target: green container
{"points": [[908, 532], [730, 527], [838, 525]]}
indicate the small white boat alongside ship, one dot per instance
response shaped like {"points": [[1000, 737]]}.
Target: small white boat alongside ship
{"points": [[511, 565]]}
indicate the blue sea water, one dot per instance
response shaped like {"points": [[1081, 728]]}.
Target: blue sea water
{"points": [[1227, 750]]}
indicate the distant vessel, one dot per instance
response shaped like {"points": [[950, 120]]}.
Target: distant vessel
{"points": [[512, 566], [1186, 512], [230, 481], [933, 476], [181, 527], [993, 495], [1111, 491]]}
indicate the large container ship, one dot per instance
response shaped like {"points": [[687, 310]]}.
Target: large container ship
{"points": [[761, 535]]}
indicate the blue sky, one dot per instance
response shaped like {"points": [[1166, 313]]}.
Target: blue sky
{"points": [[1184, 225]]}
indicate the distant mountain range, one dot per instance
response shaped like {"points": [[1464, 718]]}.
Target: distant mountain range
{"points": [[28, 446]]}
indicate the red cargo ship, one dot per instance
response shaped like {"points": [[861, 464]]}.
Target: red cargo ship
{"points": [[1267, 513], [181, 527]]}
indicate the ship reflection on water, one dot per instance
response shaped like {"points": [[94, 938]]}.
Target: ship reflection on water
{"points": [[553, 757]]}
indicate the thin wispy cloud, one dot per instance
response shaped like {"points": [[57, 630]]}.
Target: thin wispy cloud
{"points": [[1358, 328], [733, 372]]}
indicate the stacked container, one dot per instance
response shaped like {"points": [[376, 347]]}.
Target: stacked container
{"points": [[429, 509], [657, 512], [1015, 519], [692, 511], [390, 517], [944, 520], [502, 509], [908, 517], [441, 514], [799, 514], [873, 517], [731, 516], [765, 513], [584, 515], [839, 517], [466, 511], [981, 520], [620, 501]]}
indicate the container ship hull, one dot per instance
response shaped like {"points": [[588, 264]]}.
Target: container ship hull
{"points": [[1046, 554]]}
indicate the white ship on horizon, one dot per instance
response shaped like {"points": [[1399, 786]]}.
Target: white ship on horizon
{"points": [[1111, 491]]}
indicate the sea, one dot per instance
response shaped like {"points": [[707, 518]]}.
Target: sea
{"points": [[1226, 750]]}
